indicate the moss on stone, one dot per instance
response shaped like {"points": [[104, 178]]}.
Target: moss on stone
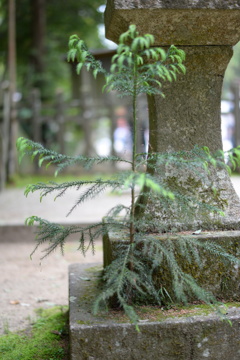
{"points": [[145, 313]]}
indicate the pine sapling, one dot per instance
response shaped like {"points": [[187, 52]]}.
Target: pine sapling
{"points": [[137, 67]]}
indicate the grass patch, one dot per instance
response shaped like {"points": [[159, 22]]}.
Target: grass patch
{"points": [[21, 181], [46, 340]]}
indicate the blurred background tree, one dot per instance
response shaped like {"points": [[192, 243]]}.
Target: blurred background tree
{"points": [[38, 51], [53, 105], [42, 32], [232, 75]]}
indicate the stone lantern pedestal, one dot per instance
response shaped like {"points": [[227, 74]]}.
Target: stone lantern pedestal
{"points": [[190, 113]]}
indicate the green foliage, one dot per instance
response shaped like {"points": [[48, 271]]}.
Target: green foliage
{"points": [[50, 157], [73, 16], [44, 341], [149, 254], [22, 180], [130, 74], [138, 67]]}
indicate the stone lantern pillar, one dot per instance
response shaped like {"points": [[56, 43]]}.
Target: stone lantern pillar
{"points": [[190, 114]]}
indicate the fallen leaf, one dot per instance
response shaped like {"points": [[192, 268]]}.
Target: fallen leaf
{"points": [[14, 302]]}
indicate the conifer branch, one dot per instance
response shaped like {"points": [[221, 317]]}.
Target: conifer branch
{"points": [[56, 235], [50, 157]]}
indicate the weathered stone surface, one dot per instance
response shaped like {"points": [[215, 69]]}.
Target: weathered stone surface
{"points": [[215, 275], [178, 22], [190, 115], [175, 4], [190, 112], [206, 191], [185, 338]]}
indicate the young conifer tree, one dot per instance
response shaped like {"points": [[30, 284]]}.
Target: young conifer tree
{"points": [[138, 67]]}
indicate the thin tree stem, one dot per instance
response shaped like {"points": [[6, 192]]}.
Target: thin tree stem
{"points": [[134, 151]]}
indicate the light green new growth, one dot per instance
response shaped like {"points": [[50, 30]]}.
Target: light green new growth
{"points": [[138, 67]]}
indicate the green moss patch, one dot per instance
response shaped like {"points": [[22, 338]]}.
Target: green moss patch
{"points": [[46, 340], [158, 314]]}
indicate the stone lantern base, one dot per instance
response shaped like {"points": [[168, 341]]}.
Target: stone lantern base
{"points": [[197, 334]]}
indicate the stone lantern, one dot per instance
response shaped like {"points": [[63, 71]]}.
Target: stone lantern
{"points": [[190, 114]]}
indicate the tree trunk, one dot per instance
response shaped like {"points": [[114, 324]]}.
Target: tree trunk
{"points": [[4, 135], [38, 41], [13, 129]]}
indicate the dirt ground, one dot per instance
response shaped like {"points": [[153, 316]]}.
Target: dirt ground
{"points": [[30, 284], [27, 284]]}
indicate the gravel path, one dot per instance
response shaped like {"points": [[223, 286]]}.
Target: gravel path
{"points": [[29, 284], [26, 284]]}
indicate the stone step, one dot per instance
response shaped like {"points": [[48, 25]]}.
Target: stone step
{"points": [[97, 338]]}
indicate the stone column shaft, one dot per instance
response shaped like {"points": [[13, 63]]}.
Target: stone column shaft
{"points": [[189, 114]]}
